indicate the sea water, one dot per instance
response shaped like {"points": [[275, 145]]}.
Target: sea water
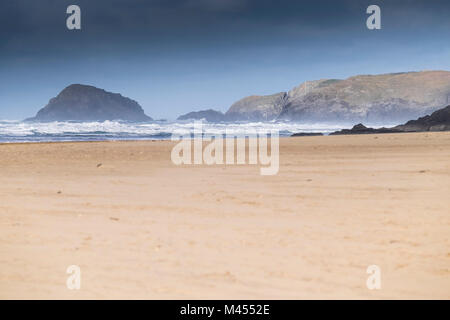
{"points": [[19, 131]]}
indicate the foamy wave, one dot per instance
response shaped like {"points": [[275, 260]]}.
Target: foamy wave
{"points": [[12, 131]]}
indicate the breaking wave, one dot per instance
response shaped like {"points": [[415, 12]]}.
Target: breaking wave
{"points": [[18, 131]]}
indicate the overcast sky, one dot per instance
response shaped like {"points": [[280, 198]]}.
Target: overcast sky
{"points": [[175, 56]]}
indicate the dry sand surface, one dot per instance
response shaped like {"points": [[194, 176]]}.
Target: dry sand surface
{"points": [[141, 227]]}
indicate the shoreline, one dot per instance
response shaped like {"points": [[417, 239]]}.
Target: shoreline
{"points": [[169, 140]]}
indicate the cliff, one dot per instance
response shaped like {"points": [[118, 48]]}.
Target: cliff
{"points": [[385, 98]]}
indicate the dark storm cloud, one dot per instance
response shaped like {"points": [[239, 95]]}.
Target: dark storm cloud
{"points": [[44, 21], [37, 28], [165, 14]]}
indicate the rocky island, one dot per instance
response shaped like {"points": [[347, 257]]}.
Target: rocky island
{"points": [[209, 115], [79, 102]]}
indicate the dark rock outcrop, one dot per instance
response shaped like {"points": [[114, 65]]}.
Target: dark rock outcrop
{"points": [[87, 103], [362, 129], [209, 115], [437, 121], [307, 134]]}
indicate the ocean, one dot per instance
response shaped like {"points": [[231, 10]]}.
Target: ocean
{"points": [[19, 131]]}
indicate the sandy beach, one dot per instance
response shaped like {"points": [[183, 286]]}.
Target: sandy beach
{"points": [[140, 227]]}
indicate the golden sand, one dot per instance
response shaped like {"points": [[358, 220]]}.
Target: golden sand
{"points": [[140, 227]]}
